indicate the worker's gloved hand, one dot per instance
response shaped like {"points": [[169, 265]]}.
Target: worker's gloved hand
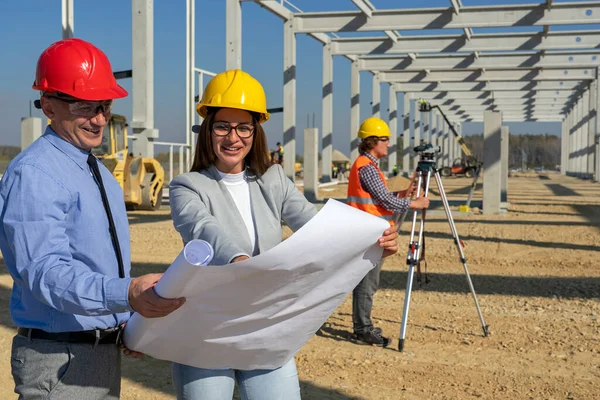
{"points": [[420, 203], [389, 241]]}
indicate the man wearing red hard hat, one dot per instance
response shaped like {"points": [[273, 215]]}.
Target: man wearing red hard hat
{"points": [[64, 236]]}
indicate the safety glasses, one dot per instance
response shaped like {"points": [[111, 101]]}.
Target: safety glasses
{"points": [[221, 128], [84, 108]]}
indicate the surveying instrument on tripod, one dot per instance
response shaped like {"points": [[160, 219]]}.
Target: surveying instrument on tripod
{"points": [[470, 166], [426, 167]]}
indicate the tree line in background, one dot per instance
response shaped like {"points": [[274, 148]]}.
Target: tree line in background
{"points": [[529, 151]]}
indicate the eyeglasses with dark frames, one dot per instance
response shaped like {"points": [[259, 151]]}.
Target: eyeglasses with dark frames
{"points": [[243, 130]]}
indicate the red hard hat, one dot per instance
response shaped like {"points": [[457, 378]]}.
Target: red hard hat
{"points": [[79, 69]]}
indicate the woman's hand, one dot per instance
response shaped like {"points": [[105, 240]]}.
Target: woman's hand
{"points": [[389, 241]]}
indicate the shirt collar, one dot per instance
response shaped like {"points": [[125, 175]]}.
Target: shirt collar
{"points": [[79, 156], [370, 157]]}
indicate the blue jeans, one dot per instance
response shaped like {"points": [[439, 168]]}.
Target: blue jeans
{"points": [[192, 383]]}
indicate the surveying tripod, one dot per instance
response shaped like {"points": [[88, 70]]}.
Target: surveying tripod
{"points": [[425, 168]]}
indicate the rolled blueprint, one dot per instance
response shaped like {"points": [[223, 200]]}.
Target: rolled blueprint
{"points": [[172, 284], [196, 253]]}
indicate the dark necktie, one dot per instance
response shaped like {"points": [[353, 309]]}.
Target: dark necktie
{"points": [[93, 163]]}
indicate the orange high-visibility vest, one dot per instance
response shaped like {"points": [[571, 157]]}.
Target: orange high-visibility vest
{"points": [[360, 198]]}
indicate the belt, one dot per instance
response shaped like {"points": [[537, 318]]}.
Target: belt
{"points": [[95, 337]]}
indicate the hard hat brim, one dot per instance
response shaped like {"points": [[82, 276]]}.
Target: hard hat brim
{"points": [[117, 92], [202, 110]]}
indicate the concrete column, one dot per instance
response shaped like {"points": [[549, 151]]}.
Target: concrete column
{"points": [[406, 170], [440, 139], [327, 114], [585, 107], [492, 122], [433, 128], [446, 145], [233, 34], [426, 127], [572, 115], [451, 141], [190, 46], [142, 85], [393, 122], [354, 109], [564, 146], [504, 139], [591, 132], [311, 164], [68, 19], [596, 127], [376, 98], [289, 98], [31, 129], [458, 152], [416, 132]]}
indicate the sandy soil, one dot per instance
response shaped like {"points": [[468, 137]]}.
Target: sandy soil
{"points": [[537, 279]]}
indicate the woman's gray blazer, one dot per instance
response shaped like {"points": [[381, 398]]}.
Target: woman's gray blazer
{"points": [[202, 208]]}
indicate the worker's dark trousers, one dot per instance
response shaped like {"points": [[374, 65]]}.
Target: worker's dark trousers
{"points": [[362, 300]]}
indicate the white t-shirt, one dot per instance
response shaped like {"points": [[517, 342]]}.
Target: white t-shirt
{"points": [[237, 185]]}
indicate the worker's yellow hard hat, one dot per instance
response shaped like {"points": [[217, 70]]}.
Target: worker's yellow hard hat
{"points": [[234, 89], [373, 127]]}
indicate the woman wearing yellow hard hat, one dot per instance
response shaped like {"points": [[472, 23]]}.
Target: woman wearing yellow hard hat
{"points": [[368, 191], [235, 199]]}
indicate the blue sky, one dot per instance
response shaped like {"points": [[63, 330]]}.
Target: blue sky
{"points": [[28, 27]]}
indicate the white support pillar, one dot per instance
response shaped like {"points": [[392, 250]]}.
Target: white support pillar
{"points": [[440, 139], [31, 130], [142, 85], [327, 114], [446, 145], [426, 127], [416, 131], [190, 28], [572, 115], [433, 128], [451, 141], [564, 145], [492, 122], [458, 152], [376, 98], [68, 19], [585, 107], [393, 122], [406, 136], [579, 137], [311, 164], [596, 127], [289, 98], [354, 110], [591, 132], [504, 139], [233, 34]]}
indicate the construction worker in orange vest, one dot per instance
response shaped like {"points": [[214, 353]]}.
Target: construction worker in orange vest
{"points": [[368, 191]]}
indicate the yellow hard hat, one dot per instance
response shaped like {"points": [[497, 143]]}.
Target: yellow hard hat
{"points": [[234, 89], [373, 127]]}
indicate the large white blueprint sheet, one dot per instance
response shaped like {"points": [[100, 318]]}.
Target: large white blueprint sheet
{"points": [[256, 314]]}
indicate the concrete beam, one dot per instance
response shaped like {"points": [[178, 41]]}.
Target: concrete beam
{"points": [[532, 94], [499, 86], [558, 40], [445, 18], [503, 60], [522, 74]]}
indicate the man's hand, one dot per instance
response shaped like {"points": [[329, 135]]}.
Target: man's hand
{"points": [[389, 241], [144, 300], [420, 203], [126, 351], [409, 192], [239, 258]]}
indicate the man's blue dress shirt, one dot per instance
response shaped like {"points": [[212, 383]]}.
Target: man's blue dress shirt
{"points": [[56, 242]]}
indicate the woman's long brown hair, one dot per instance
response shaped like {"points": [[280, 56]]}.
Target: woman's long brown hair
{"points": [[257, 160]]}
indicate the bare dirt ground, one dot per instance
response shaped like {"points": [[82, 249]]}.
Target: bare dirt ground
{"points": [[537, 278]]}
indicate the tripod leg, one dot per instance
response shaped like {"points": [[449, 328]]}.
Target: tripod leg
{"points": [[438, 179], [414, 250]]}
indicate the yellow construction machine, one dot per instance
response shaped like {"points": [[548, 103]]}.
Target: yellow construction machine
{"points": [[141, 178]]}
